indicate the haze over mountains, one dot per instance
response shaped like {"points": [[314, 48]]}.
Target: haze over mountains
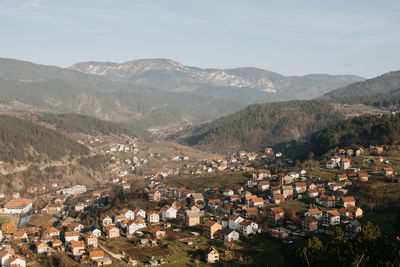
{"points": [[172, 76], [152, 93], [270, 123]]}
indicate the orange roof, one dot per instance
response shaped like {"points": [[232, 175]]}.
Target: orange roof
{"points": [[18, 203], [77, 244], [71, 234], [96, 254], [277, 210], [314, 211], [333, 212], [209, 223], [348, 199], [279, 196]]}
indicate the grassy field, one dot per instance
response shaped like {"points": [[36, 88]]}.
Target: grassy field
{"points": [[386, 221], [199, 183]]}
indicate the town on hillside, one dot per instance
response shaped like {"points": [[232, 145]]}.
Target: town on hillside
{"points": [[196, 211]]}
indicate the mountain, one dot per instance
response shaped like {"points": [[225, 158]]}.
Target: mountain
{"points": [[172, 76], [22, 140], [75, 123], [261, 125], [257, 126], [25, 86], [384, 84]]}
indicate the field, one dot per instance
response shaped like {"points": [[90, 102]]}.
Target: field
{"points": [[199, 183]]}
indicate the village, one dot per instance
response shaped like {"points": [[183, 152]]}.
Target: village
{"points": [[143, 219]]}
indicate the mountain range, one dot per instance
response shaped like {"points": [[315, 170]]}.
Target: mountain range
{"points": [[271, 123], [154, 94], [172, 76]]}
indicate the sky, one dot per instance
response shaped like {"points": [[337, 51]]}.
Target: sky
{"points": [[291, 37]]}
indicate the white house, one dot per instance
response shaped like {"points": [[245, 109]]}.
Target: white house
{"points": [[22, 205], [230, 235], [139, 213], [168, 213], [153, 217], [69, 236], [234, 221], [331, 217], [129, 215], [248, 227]]}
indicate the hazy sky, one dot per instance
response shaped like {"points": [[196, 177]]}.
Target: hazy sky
{"points": [[290, 37]]}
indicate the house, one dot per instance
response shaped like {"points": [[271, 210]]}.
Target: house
{"points": [[287, 191], [153, 217], [316, 213], [112, 231], [20, 235], [341, 177], [378, 150], [196, 197], [223, 221], [126, 186], [331, 164], [212, 255], [212, 229], [5, 255], [96, 194], [300, 187], [79, 207], [75, 227], [16, 261], [192, 218], [17, 206], [158, 233], [279, 234], [248, 227], [139, 213], [235, 198], [261, 174], [96, 254], [353, 228], [154, 195], [336, 186], [354, 212], [311, 193], [275, 190], [250, 212], [309, 224], [252, 183], [348, 202], [228, 192], [263, 185], [257, 202], [387, 172], [326, 201], [363, 177], [278, 199], [42, 247], [53, 232], [77, 247], [52, 208], [96, 232], [71, 236], [276, 215], [168, 213], [128, 214], [90, 239], [133, 226], [230, 235], [106, 220], [234, 221], [345, 164], [331, 217]]}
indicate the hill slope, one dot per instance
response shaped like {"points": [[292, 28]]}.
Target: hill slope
{"points": [[383, 84], [75, 123], [261, 125], [22, 140], [172, 76]]}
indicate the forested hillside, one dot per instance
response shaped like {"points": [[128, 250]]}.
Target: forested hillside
{"points": [[382, 84], [22, 140], [260, 125], [363, 130], [75, 123]]}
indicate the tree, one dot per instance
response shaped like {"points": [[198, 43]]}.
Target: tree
{"points": [[8, 227]]}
